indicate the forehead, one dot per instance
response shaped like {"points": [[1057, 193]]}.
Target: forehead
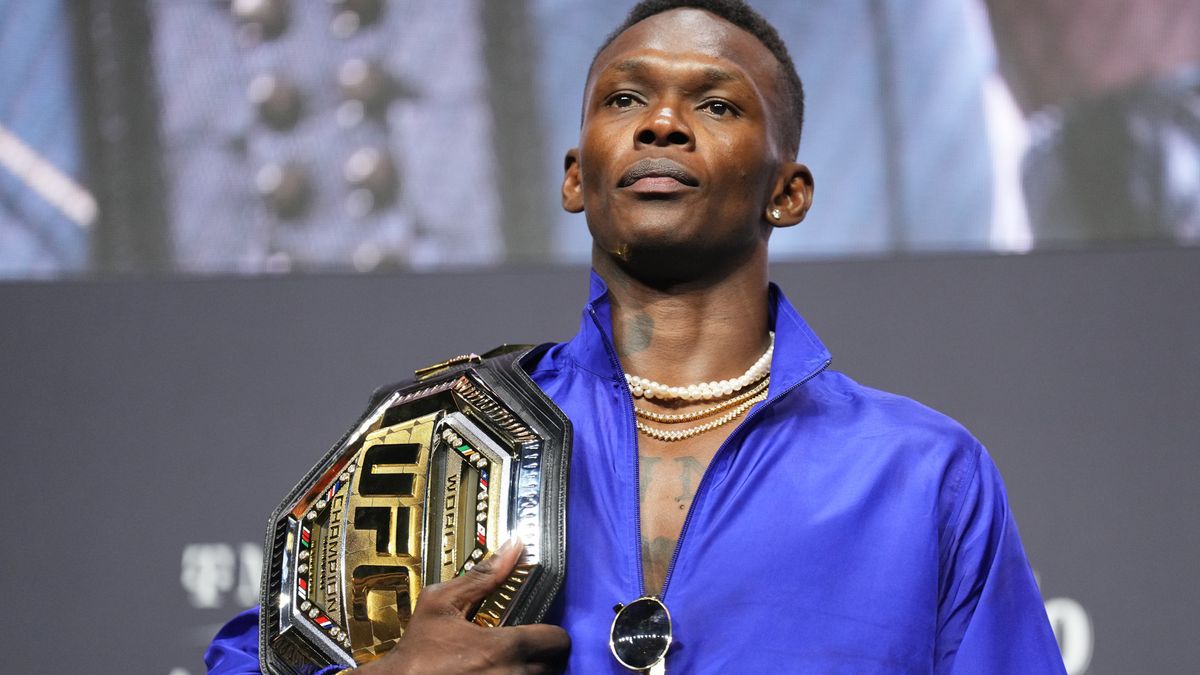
{"points": [[697, 35]]}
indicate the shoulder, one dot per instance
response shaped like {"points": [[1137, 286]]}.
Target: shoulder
{"points": [[888, 439], [866, 414], [547, 359], [553, 365]]}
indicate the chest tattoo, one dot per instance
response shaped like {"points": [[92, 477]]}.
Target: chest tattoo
{"points": [[646, 473], [690, 471], [666, 488]]}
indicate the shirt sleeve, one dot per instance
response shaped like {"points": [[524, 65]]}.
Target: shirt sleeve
{"points": [[234, 650], [991, 617]]}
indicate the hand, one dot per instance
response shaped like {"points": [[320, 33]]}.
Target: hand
{"points": [[439, 639]]}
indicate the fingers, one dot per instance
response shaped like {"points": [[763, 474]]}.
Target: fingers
{"points": [[439, 639], [461, 594], [541, 643]]}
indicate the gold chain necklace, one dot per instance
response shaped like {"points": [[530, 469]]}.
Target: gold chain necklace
{"points": [[667, 418], [689, 432]]}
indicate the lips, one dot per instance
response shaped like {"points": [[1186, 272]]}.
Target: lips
{"points": [[657, 168]]}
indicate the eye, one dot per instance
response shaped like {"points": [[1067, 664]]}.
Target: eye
{"points": [[718, 108], [622, 101]]}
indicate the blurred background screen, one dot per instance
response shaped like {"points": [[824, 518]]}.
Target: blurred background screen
{"points": [[274, 136]]}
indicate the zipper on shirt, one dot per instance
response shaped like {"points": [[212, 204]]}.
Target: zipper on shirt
{"points": [[704, 478], [637, 459]]}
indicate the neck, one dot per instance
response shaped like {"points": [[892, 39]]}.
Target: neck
{"points": [[681, 333]]}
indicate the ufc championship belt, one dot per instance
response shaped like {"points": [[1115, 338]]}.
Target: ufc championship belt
{"points": [[439, 472]]}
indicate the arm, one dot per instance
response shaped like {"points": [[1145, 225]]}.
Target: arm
{"points": [[234, 650], [991, 618]]}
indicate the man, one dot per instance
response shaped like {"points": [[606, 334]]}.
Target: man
{"points": [[790, 519]]}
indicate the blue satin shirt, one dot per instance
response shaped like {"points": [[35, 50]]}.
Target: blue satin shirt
{"points": [[839, 529]]}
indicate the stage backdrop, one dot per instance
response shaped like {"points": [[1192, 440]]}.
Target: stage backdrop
{"points": [[149, 427]]}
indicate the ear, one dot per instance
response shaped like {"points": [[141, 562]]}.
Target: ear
{"points": [[791, 197], [572, 186]]}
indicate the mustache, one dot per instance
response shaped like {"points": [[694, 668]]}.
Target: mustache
{"points": [[656, 168]]}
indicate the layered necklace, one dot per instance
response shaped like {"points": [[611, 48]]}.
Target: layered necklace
{"points": [[734, 397]]}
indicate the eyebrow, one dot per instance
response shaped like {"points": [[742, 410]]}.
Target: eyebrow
{"points": [[712, 74]]}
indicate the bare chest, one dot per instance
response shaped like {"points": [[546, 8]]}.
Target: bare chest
{"points": [[669, 476]]}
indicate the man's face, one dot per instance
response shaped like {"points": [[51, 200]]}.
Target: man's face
{"points": [[678, 155]]}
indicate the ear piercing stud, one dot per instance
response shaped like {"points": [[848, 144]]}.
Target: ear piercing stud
{"points": [[776, 214]]}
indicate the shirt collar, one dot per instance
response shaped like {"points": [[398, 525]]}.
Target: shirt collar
{"points": [[799, 353]]}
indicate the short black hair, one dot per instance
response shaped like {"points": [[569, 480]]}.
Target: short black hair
{"points": [[738, 13]]}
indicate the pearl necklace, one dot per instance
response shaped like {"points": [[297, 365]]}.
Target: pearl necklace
{"points": [[667, 418], [680, 434], [640, 387]]}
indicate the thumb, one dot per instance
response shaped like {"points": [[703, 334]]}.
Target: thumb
{"points": [[472, 587]]}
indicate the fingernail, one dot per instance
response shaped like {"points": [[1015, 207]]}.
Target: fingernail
{"points": [[513, 542]]}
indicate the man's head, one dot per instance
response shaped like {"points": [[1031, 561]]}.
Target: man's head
{"points": [[738, 13], [690, 124]]}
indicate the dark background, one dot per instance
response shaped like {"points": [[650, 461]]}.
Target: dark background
{"points": [[140, 416]]}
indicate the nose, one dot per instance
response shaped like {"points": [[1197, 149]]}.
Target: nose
{"points": [[664, 128]]}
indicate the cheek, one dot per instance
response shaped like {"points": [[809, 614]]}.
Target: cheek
{"points": [[593, 163], [743, 158]]}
